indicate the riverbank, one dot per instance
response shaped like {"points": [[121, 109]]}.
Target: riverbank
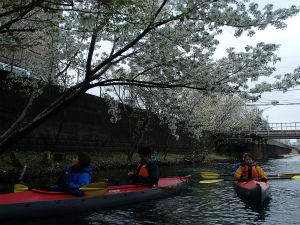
{"points": [[34, 165]]}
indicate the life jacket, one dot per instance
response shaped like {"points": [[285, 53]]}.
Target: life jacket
{"points": [[142, 170], [250, 171], [67, 175]]}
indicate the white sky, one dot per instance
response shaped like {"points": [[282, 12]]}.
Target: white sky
{"points": [[289, 38]]}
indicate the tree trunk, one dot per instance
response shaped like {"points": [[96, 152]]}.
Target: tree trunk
{"points": [[65, 100]]}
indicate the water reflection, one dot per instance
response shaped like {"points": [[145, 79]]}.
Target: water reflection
{"points": [[201, 204]]}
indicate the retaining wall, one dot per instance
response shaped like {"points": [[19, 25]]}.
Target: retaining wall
{"points": [[85, 125]]}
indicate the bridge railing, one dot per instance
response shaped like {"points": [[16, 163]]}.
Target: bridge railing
{"points": [[277, 126], [272, 127], [267, 129]]}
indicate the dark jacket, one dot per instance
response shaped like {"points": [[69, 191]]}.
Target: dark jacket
{"points": [[73, 178], [153, 174]]}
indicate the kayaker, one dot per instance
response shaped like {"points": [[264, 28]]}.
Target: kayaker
{"points": [[76, 176], [238, 165], [249, 170], [148, 171]]}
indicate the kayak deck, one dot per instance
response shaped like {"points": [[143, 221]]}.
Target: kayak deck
{"points": [[38, 195], [36, 203], [252, 190]]}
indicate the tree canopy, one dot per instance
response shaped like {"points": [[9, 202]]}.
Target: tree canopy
{"points": [[156, 48]]}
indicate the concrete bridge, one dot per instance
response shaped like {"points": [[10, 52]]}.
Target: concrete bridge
{"points": [[270, 131], [263, 137]]}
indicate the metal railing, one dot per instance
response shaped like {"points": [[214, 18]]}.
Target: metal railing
{"points": [[276, 130], [269, 130]]}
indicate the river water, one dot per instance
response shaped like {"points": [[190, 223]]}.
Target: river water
{"points": [[201, 204]]}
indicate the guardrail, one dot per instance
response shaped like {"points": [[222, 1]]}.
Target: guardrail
{"points": [[276, 130], [268, 130]]}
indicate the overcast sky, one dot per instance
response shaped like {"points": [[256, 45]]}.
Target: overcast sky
{"points": [[289, 38]]}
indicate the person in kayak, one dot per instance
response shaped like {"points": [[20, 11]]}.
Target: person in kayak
{"points": [[76, 176], [249, 170], [148, 171], [238, 165]]}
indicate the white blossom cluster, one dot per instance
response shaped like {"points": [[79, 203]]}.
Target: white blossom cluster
{"points": [[158, 48]]}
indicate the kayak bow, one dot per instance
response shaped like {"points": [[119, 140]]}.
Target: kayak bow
{"points": [[252, 190]]}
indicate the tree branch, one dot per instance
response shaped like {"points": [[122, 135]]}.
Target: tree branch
{"points": [[90, 55]]}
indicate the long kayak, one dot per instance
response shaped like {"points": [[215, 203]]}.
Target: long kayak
{"points": [[37, 203], [252, 190]]}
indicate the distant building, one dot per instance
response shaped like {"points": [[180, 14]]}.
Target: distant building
{"points": [[23, 46]]}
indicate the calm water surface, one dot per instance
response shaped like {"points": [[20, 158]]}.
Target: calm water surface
{"points": [[200, 204]]}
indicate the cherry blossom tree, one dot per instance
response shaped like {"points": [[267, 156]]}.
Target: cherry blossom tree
{"points": [[212, 116], [159, 47]]}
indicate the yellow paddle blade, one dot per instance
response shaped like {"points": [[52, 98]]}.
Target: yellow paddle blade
{"points": [[171, 189], [90, 189], [95, 185], [20, 188], [296, 177], [94, 189], [100, 179], [209, 175], [210, 181], [105, 180], [288, 175]]}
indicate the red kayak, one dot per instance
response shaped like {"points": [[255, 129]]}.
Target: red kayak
{"points": [[36, 203], [253, 190]]}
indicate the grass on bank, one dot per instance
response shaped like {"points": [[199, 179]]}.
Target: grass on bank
{"points": [[214, 156], [36, 159]]}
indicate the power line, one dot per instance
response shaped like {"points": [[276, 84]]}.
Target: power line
{"points": [[266, 104]]}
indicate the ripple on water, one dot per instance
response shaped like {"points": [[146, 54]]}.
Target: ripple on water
{"points": [[201, 204]]}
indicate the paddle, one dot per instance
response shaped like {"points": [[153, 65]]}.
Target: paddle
{"points": [[209, 175], [93, 189], [101, 179], [170, 189], [297, 177]]}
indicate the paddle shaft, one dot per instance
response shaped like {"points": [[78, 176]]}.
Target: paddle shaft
{"points": [[272, 178], [273, 175], [220, 180], [210, 175]]}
